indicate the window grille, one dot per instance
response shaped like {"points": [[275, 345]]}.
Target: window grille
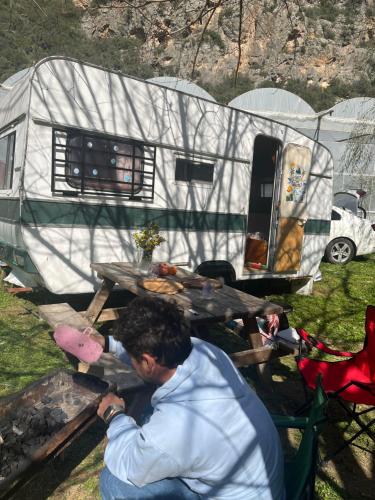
{"points": [[84, 163]]}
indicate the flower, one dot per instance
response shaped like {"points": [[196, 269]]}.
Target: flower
{"points": [[148, 238]]}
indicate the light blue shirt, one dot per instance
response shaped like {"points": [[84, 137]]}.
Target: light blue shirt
{"points": [[208, 428]]}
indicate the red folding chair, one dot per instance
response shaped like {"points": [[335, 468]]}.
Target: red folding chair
{"points": [[350, 380]]}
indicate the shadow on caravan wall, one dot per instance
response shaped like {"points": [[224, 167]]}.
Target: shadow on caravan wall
{"points": [[88, 156]]}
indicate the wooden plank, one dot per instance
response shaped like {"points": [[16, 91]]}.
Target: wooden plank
{"points": [[238, 303], [108, 314], [253, 356], [227, 302], [62, 314], [100, 298], [17, 289], [254, 305], [256, 342]]}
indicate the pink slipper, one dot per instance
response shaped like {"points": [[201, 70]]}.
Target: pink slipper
{"points": [[78, 343]]}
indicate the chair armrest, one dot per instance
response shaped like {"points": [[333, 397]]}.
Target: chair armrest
{"points": [[285, 421], [321, 346]]}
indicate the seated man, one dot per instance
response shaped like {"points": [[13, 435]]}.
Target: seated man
{"points": [[209, 435]]}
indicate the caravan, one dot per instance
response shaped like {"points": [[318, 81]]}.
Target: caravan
{"points": [[87, 156]]}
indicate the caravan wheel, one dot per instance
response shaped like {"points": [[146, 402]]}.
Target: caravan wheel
{"points": [[340, 251]]}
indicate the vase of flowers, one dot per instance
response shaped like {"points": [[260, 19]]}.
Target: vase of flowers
{"points": [[146, 240]]}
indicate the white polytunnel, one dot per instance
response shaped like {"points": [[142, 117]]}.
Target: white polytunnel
{"points": [[182, 85]]}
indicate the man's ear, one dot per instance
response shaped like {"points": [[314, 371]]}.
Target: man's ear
{"points": [[149, 362]]}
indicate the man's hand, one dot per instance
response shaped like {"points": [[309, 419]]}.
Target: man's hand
{"points": [[95, 336], [109, 399]]}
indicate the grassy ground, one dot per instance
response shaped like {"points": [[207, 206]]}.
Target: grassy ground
{"points": [[335, 313]]}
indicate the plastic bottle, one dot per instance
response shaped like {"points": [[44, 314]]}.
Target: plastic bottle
{"points": [[207, 290]]}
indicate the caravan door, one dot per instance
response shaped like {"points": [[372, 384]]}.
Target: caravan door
{"points": [[291, 216]]}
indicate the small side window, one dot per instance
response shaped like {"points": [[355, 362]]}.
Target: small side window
{"points": [[335, 215], [6, 160], [191, 170]]}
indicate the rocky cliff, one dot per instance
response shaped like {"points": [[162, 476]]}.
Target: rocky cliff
{"points": [[318, 42], [323, 50]]}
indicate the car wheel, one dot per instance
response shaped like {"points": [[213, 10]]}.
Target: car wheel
{"points": [[340, 251]]}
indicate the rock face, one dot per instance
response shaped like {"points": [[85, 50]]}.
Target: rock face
{"points": [[273, 40]]}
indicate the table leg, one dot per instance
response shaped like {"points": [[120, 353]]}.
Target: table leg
{"points": [[251, 331], [100, 298]]}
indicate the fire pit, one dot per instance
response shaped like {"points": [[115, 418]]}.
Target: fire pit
{"points": [[40, 420]]}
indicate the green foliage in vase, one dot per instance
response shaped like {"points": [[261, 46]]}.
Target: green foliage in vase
{"points": [[148, 238]]}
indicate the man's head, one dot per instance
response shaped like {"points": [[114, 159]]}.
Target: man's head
{"points": [[150, 330]]}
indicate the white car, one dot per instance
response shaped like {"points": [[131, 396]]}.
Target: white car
{"points": [[349, 236]]}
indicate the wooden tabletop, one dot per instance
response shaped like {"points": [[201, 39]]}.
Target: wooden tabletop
{"points": [[226, 302]]}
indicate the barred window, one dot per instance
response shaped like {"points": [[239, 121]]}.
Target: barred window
{"points": [[6, 160], [94, 163]]}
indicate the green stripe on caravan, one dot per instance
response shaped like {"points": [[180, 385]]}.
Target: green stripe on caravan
{"points": [[317, 226], [41, 213], [46, 213], [10, 210]]}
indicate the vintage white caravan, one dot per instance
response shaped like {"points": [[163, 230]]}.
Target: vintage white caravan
{"points": [[88, 155]]}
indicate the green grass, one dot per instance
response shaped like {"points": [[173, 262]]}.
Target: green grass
{"points": [[335, 313], [26, 350]]}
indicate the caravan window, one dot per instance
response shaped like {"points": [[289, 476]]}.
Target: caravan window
{"points": [[91, 163], [191, 170], [6, 160]]}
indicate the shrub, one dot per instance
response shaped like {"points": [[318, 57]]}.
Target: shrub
{"points": [[214, 38], [326, 9], [227, 11], [328, 33], [227, 89]]}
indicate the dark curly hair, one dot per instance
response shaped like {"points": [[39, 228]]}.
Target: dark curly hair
{"points": [[153, 326]]}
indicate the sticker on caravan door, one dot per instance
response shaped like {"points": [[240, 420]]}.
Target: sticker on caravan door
{"points": [[296, 185], [295, 174]]}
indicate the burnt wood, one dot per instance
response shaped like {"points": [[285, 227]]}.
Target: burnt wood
{"points": [[71, 397]]}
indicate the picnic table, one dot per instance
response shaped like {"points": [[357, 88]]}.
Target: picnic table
{"points": [[225, 303]]}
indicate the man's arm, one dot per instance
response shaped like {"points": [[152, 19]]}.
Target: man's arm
{"points": [[113, 346], [130, 454]]}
